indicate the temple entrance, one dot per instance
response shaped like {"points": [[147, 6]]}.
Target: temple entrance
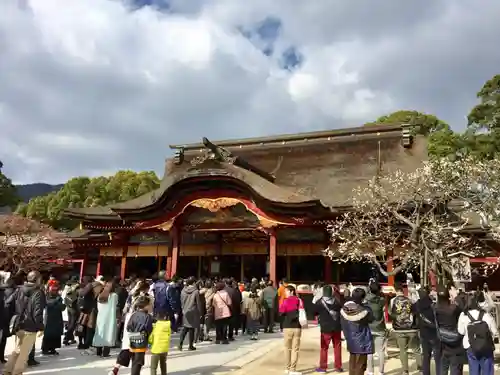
{"points": [[110, 266], [355, 272], [188, 266], [143, 267], [230, 266], [254, 266], [237, 266]]}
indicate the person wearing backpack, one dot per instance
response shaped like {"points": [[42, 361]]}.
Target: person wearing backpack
{"points": [[70, 298], [28, 303], [376, 302], [404, 325], [327, 308], [446, 319], [431, 346], [479, 329]]}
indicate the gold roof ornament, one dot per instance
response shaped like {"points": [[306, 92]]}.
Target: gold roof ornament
{"points": [[214, 205]]}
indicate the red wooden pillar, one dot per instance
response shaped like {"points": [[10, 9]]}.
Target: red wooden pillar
{"points": [[272, 257], [174, 255], [328, 270], [98, 270], [390, 267], [168, 267], [123, 267], [84, 264]]}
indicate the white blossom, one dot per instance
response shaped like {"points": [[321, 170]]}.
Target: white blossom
{"points": [[433, 209]]}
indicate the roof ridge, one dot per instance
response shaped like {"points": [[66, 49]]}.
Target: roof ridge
{"points": [[385, 128]]}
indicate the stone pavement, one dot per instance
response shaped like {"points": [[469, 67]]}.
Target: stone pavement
{"points": [[207, 360], [242, 357], [272, 363]]}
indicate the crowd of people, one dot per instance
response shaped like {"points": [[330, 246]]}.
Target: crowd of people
{"points": [[452, 327], [135, 315], [139, 316]]}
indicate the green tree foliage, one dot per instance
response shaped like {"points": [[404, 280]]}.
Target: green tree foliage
{"points": [[428, 124], [443, 141], [8, 193], [480, 140], [88, 192], [484, 120]]}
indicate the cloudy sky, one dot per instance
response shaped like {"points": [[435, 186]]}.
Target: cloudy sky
{"points": [[90, 87]]}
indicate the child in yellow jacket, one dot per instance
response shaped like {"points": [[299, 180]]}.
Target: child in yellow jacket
{"points": [[159, 340]]}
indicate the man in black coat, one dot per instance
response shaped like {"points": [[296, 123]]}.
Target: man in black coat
{"points": [[235, 320], [71, 302], [28, 305], [4, 318]]}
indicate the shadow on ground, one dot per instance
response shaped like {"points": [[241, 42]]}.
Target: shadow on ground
{"points": [[202, 361]]}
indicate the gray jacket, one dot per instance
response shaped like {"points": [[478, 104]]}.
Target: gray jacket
{"points": [[269, 296], [191, 307]]}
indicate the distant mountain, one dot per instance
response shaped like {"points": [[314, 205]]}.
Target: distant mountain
{"points": [[28, 191]]}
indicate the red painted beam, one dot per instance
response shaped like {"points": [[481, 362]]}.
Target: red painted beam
{"points": [[485, 260]]}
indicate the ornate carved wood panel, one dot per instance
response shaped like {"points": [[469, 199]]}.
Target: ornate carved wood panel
{"points": [[301, 235], [220, 213], [300, 248], [150, 237], [147, 250]]}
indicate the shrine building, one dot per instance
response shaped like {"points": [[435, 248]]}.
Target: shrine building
{"points": [[245, 208]]}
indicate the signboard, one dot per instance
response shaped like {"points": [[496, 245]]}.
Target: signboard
{"points": [[214, 267], [460, 269]]}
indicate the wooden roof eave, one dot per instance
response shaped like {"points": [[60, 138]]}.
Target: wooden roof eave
{"points": [[86, 214], [346, 133], [156, 199]]}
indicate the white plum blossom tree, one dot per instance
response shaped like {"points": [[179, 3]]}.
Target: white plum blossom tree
{"points": [[422, 216]]}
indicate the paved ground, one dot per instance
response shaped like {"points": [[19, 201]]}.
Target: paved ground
{"points": [[208, 359], [242, 357], [272, 363]]}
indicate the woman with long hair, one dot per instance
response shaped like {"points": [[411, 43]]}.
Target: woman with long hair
{"points": [[54, 324], [106, 322], [292, 329], [480, 350], [222, 308]]}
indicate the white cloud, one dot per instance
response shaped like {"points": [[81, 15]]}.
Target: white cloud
{"points": [[90, 86]]}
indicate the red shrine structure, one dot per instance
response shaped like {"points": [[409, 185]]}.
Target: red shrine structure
{"points": [[245, 208]]}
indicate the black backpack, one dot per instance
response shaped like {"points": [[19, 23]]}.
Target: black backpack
{"points": [[21, 303], [480, 338], [402, 313]]}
